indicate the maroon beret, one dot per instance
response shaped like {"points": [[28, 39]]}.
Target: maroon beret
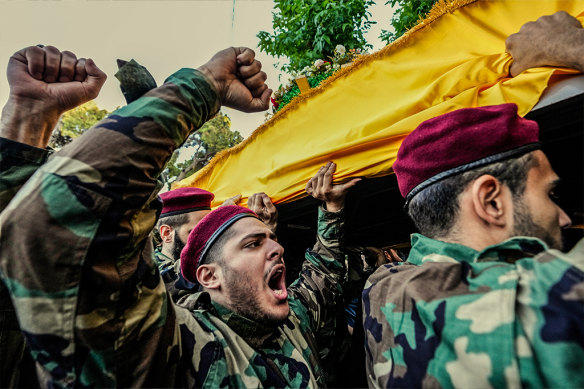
{"points": [[205, 233], [459, 141], [183, 200]]}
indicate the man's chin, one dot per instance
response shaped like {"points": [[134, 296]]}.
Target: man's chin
{"points": [[283, 310]]}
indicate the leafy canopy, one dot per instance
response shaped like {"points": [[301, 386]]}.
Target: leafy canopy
{"points": [[407, 14], [307, 30], [201, 146], [75, 122]]}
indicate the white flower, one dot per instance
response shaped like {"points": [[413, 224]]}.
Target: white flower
{"points": [[340, 49], [318, 63]]}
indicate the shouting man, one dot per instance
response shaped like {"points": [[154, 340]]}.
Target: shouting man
{"points": [[79, 265]]}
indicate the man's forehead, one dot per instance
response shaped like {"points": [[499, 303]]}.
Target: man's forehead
{"points": [[542, 169], [198, 214], [248, 225]]}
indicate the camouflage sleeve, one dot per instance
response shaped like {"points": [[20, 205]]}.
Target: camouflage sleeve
{"points": [[317, 291], [18, 161], [87, 292], [550, 310]]}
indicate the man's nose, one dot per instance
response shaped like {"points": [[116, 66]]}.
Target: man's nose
{"points": [[276, 250], [565, 220]]}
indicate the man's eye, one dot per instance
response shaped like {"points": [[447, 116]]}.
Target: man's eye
{"points": [[254, 243], [553, 196]]}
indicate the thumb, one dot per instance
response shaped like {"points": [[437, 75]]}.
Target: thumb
{"points": [[260, 104], [95, 78], [232, 200], [244, 55], [351, 183], [235, 199], [515, 69]]}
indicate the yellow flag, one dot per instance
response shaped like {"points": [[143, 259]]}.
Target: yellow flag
{"points": [[358, 118]]}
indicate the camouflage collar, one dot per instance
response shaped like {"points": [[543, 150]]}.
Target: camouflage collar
{"points": [[425, 249], [254, 332], [163, 260]]}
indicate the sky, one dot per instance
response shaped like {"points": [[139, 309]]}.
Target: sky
{"points": [[164, 36]]}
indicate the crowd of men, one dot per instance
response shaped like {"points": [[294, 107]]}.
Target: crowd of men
{"points": [[485, 298]]}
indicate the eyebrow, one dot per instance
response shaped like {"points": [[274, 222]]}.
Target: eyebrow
{"points": [[271, 235], [555, 183]]}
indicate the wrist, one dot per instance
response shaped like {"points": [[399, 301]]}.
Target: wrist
{"points": [[211, 80], [23, 122], [334, 207]]}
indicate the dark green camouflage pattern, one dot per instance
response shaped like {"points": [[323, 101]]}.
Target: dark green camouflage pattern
{"points": [[176, 285], [18, 162], [78, 261], [452, 317]]}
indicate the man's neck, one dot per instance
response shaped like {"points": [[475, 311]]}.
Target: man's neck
{"points": [[166, 250]]}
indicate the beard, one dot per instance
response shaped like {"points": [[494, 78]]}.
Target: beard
{"points": [[525, 226], [243, 298], [177, 246]]}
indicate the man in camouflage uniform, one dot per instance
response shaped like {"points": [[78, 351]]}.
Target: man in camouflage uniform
{"points": [[182, 209], [482, 300], [28, 118], [87, 291]]}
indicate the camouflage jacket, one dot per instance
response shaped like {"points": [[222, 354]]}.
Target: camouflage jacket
{"points": [[450, 316], [163, 261], [79, 264], [18, 162], [175, 283]]}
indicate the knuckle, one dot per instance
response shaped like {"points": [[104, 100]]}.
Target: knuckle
{"points": [[68, 54], [51, 48]]}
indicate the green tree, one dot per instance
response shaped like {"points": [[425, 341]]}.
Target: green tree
{"points": [[408, 13], [307, 30], [75, 122], [201, 146]]}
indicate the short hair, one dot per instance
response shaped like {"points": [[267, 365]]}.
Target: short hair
{"points": [[215, 253], [174, 221], [435, 209]]}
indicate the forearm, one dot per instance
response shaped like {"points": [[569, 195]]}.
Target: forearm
{"points": [[24, 122], [18, 162], [330, 235], [323, 269]]}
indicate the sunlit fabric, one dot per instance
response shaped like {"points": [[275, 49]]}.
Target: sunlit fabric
{"points": [[455, 58]]}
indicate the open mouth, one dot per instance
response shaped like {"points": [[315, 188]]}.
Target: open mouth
{"points": [[277, 282]]}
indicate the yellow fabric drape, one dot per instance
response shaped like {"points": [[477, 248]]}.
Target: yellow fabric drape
{"points": [[455, 58]]}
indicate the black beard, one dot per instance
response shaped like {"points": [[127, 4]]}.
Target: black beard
{"points": [[177, 247], [525, 226], [243, 300]]}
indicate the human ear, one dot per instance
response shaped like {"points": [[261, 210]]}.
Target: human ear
{"points": [[209, 276], [489, 201], [166, 233]]}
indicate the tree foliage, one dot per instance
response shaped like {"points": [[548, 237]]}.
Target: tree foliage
{"points": [[201, 147], [75, 122], [307, 30], [408, 13]]}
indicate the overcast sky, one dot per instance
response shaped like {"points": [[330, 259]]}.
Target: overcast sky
{"points": [[164, 36]]}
